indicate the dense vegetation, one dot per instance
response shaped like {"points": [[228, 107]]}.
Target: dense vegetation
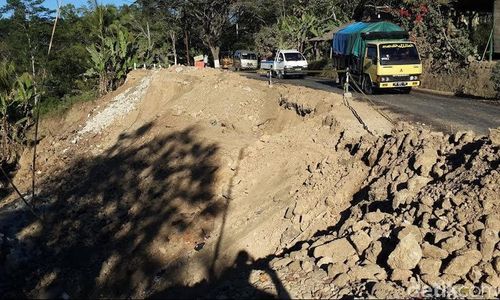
{"points": [[94, 47]]}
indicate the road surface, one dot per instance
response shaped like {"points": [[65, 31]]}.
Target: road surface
{"points": [[448, 114]]}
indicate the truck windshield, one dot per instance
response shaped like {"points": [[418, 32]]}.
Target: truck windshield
{"points": [[399, 54], [294, 56], [248, 56]]}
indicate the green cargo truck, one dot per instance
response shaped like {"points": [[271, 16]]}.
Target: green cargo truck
{"points": [[378, 55]]}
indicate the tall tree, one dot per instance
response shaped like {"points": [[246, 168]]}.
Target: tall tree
{"points": [[29, 32], [213, 16]]}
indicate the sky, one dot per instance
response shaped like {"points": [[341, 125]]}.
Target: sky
{"points": [[52, 4]]}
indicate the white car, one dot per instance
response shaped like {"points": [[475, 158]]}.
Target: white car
{"points": [[286, 63]]}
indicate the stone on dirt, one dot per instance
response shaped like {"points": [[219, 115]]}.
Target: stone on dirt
{"points": [[406, 255], [361, 241], [460, 265], [339, 250]]}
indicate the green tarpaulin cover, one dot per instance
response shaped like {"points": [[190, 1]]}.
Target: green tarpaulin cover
{"points": [[348, 40]]}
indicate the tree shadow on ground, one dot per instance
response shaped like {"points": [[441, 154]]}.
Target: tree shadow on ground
{"points": [[233, 282], [110, 218], [114, 221]]}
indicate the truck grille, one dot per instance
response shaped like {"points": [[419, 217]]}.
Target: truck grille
{"points": [[398, 78]]}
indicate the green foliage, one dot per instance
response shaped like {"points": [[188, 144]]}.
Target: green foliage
{"points": [[17, 94], [113, 55], [326, 65], [55, 106], [299, 22], [441, 41]]}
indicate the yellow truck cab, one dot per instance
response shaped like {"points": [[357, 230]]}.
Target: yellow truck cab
{"points": [[376, 55], [391, 64]]}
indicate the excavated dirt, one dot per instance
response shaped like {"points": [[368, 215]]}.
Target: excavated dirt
{"points": [[202, 183]]}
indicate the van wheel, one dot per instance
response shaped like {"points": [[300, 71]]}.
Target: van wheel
{"points": [[280, 74], [367, 85]]}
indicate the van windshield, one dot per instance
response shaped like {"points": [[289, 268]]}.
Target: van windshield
{"points": [[251, 56], [399, 54], [294, 56]]}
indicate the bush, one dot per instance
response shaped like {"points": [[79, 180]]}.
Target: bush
{"points": [[55, 106], [326, 65], [495, 77], [17, 95]]}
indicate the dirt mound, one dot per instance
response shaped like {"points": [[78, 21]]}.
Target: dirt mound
{"points": [[425, 220], [210, 181]]}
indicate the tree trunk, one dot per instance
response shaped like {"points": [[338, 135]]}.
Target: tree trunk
{"points": [[174, 50], [215, 53], [149, 41], [186, 44], [316, 50]]}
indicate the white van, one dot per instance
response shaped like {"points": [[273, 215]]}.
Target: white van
{"points": [[286, 63], [245, 60]]}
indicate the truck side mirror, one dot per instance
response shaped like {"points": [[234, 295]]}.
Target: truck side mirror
{"points": [[280, 59], [374, 60]]}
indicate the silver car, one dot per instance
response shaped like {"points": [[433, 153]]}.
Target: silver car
{"points": [[245, 60]]}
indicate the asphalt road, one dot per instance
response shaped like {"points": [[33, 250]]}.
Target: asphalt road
{"points": [[448, 114]]}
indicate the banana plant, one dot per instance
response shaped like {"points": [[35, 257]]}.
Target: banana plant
{"points": [[112, 60], [17, 95]]}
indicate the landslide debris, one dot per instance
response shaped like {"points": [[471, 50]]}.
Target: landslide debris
{"points": [[426, 216], [228, 178]]}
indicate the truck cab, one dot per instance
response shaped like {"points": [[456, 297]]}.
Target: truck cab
{"points": [[376, 55], [391, 64]]}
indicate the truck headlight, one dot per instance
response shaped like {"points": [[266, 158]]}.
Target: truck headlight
{"points": [[414, 77]]}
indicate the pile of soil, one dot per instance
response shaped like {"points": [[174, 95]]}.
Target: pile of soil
{"points": [[213, 185]]}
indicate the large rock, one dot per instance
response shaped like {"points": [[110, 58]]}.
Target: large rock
{"points": [[373, 251], [361, 241], [339, 250], [453, 243], [341, 280], [429, 266], [336, 269], [495, 136], [401, 275], [460, 265], [431, 251], [425, 160], [375, 216], [384, 290], [285, 261], [406, 255], [493, 222], [368, 272], [488, 239], [410, 229]]}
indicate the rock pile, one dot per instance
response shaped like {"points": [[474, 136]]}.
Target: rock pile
{"points": [[427, 219]]}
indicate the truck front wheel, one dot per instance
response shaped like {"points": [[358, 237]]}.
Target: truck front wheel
{"points": [[367, 85], [280, 74], [341, 80]]}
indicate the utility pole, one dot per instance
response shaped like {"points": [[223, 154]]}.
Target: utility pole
{"points": [[492, 41]]}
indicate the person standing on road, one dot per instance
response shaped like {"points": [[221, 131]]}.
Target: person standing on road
{"points": [[205, 60]]}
